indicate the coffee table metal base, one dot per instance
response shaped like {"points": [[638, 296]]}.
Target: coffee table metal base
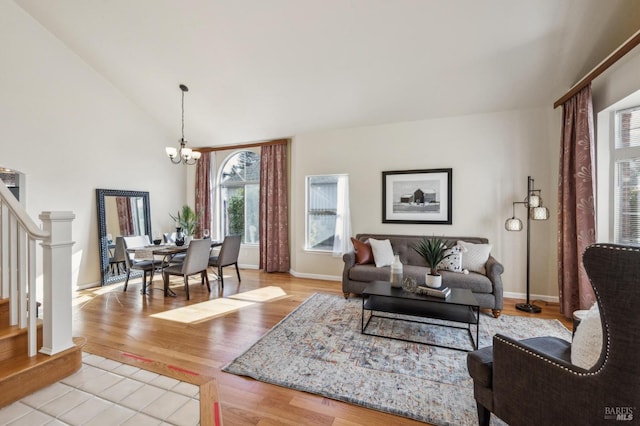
{"points": [[428, 309]]}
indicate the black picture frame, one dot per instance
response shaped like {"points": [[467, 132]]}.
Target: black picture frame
{"points": [[417, 196]]}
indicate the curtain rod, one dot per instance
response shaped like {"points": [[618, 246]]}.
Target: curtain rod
{"points": [[616, 55], [241, 146]]}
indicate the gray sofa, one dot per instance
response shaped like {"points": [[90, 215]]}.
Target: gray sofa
{"points": [[486, 288]]}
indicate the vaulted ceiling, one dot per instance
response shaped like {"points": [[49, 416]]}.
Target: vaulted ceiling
{"points": [[264, 69]]}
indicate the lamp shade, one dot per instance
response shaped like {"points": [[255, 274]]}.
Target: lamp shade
{"points": [[540, 213], [513, 224], [534, 200], [171, 152]]}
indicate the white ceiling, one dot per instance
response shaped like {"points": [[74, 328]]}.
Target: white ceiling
{"points": [[264, 69]]}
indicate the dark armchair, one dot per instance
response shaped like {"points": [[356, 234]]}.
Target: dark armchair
{"points": [[532, 381]]}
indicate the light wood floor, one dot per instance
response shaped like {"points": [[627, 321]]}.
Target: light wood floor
{"points": [[117, 325]]}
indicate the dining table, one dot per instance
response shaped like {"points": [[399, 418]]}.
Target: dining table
{"points": [[167, 251]]}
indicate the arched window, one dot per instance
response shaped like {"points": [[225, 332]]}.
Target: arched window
{"points": [[239, 196]]}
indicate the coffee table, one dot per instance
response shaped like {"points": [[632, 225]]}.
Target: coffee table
{"points": [[460, 306]]}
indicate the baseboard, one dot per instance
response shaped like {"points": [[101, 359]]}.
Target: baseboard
{"points": [[242, 266], [532, 297], [315, 276], [511, 295], [89, 285]]}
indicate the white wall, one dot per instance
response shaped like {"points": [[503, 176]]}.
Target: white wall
{"points": [[491, 156], [53, 103], [70, 132]]}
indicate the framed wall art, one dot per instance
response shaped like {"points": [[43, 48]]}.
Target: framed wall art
{"points": [[417, 196]]}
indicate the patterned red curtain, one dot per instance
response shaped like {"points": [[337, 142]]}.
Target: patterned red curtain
{"points": [[274, 216], [576, 205], [125, 216], [203, 193]]}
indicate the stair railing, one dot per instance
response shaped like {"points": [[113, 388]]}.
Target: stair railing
{"points": [[19, 263]]}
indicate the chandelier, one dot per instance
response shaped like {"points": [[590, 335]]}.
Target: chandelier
{"points": [[183, 155]]}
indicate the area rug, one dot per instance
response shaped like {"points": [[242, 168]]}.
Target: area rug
{"points": [[318, 348]]}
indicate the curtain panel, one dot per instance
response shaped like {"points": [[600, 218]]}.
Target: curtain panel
{"points": [[274, 215], [125, 216], [203, 193], [576, 204], [342, 235]]}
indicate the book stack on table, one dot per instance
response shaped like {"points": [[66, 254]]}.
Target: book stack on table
{"points": [[441, 292]]}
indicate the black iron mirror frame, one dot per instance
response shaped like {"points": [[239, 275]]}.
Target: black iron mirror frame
{"points": [[102, 229]]}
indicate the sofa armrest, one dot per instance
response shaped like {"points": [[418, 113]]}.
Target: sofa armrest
{"points": [[349, 259], [494, 273]]}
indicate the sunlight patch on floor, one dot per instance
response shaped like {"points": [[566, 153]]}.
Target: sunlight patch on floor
{"points": [[263, 294], [202, 311]]}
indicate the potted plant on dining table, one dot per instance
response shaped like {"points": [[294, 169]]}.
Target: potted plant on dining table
{"points": [[187, 219]]}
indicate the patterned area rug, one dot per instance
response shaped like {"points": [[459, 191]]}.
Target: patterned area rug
{"points": [[318, 348]]}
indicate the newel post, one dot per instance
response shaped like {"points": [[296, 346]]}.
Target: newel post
{"points": [[56, 251]]}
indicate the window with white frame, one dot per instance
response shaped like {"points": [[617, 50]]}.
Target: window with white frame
{"points": [[626, 157], [326, 212], [239, 190]]}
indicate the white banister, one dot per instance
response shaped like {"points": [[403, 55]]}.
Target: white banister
{"points": [[19, 263], [57, 282], [4, 254]]}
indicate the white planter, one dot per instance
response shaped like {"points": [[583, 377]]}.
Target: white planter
{"points": [[187, 239], [433, 281]]}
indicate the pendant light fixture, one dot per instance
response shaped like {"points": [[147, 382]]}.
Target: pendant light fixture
{"points": [[183, 155]]}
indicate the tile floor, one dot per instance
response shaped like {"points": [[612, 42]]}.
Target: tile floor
{"points": [[107, 392]]}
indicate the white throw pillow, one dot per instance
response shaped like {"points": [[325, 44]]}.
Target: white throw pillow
{"points": [[382, 252], [454, 262], [475, 256], [587, 341]]}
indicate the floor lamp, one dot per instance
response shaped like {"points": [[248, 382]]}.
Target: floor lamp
{"points": [[535, 211]]}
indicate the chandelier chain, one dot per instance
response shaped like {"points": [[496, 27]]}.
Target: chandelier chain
{"points": [[182, 155], [182, 114]]}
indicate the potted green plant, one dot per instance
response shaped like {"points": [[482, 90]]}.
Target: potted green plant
{"points": [[187, 219], [433, 250]]}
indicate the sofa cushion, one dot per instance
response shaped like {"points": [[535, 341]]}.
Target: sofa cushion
{"points": [[364, 254], [453, 263], [369, 273], [587, 341], [475, 282], [475, 256], [382, 252]]}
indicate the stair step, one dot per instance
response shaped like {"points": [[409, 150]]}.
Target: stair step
{"points": [[14, 341], [22, 375]]}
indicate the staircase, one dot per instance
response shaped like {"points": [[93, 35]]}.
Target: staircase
{"points": [[34, 352]]}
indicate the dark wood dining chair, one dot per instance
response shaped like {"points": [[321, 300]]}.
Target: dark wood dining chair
{"points": [[147, 267], [228, 256], [195, 262]]}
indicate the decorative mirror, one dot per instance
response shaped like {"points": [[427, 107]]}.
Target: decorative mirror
{"points": [[120, 214]]}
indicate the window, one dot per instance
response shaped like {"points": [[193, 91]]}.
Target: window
{"points": [[627, 176], [239, 196], [327, 211]]}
